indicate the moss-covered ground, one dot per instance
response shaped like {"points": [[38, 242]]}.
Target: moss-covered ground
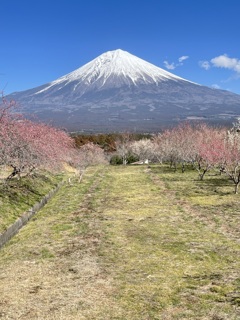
{"points": [[128, 243]]}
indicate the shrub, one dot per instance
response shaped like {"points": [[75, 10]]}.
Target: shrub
{"points": [[115, 160]]}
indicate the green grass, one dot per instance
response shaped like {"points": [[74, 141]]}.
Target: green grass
{"points": [[165, 251], [17, 196], [128, 243]]}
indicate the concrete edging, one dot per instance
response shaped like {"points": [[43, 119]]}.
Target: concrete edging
{"points": [[26, 216]]}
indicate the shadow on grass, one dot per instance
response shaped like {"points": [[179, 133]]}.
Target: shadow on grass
{"points": [[27, 189], [188, 183], [215, 185]]}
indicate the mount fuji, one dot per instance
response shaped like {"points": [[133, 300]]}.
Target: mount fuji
{"points": [[118, 91]]}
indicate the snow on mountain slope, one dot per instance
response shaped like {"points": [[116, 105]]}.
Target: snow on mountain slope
{"points": [[119, 91], [114, 69]]}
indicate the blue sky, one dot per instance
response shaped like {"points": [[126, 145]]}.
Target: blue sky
{"points": [[44, 40]]}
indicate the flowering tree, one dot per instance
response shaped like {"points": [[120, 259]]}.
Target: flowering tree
{"points": [[210, 148], [25, 145], [165, 147], [7, 130], [123, 145], [49, 146], [144, 149], [230, 161], [176, 145], [86, 155], [185, 137]]}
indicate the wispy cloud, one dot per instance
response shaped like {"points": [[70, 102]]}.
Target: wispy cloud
{"points": [[170, 66], [174, 65], [181, 59], [204, 64]]}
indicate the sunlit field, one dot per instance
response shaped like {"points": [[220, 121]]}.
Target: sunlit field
{"points": [[128, 242]]}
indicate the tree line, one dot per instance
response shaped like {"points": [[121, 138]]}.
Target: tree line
{"points": [[202, 146], [26, 145]]}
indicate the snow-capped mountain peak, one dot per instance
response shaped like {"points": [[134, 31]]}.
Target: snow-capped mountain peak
{"points": [[114, 69], [120, 63], [119, 91]]}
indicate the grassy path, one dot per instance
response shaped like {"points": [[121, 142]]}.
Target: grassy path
{"points": [[122, 245]]}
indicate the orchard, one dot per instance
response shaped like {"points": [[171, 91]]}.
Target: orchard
{"points": [[27, 145], [203, 147]]}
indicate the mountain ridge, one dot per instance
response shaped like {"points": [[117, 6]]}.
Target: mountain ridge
{"points": [[120, 91]]}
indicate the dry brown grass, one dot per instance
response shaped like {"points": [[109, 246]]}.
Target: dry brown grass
{"points": [[50, 270], [122, 245]]}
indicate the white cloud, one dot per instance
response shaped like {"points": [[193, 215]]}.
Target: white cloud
{"points": [[181, 59], [173, 65], [170, 66], [224, 61], [204, 64]]}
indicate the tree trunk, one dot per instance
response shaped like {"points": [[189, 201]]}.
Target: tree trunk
{"points": [[201, 175], [16, 171], [237, 181], [183, 167], [236, 188], [81, 173]]}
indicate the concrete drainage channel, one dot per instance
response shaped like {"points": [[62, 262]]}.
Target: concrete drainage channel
{"points": [[21, 221]]}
